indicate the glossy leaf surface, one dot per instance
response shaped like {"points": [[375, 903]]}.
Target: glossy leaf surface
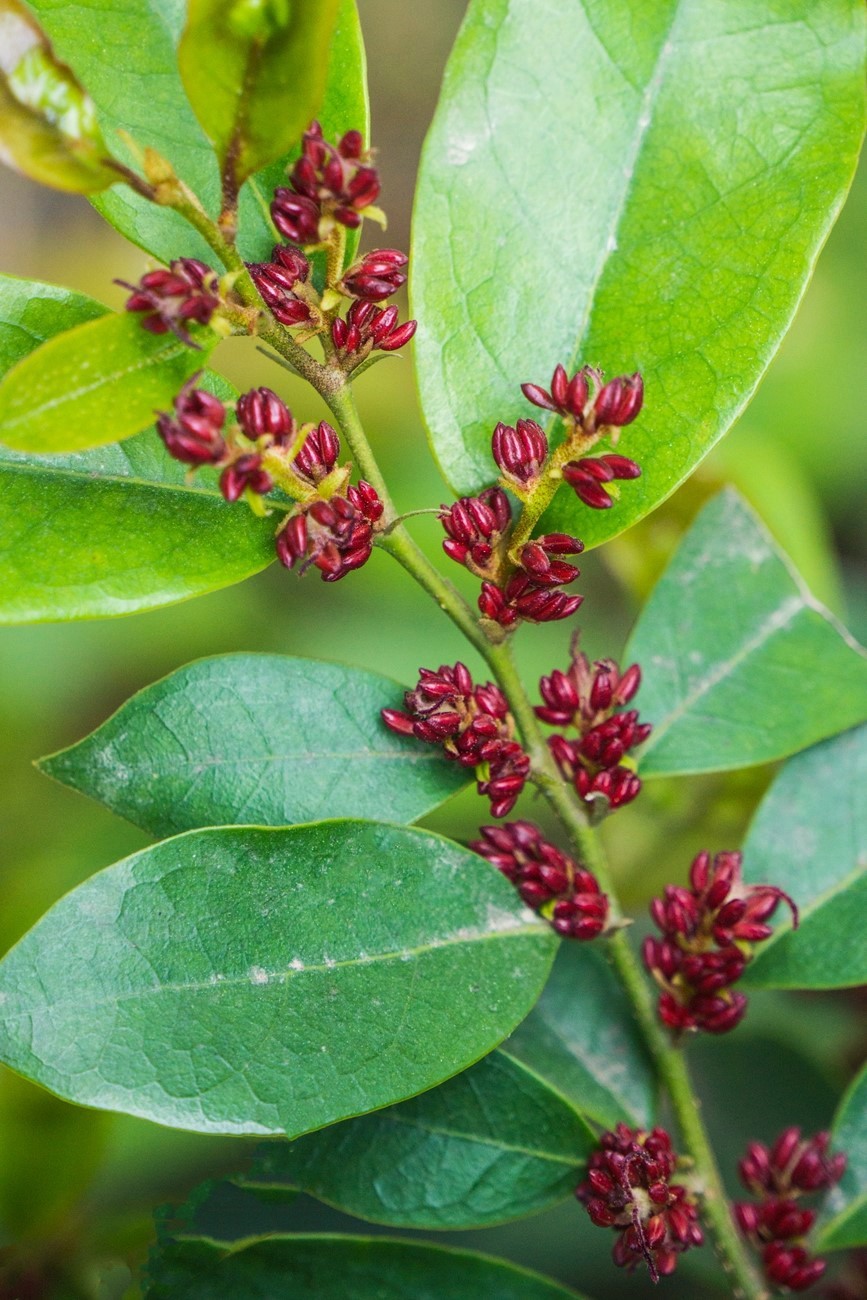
{"points": [[637, 186], [255, 75], [132, 76], [844, 1221], [740, 664], [99, 533], [257, 738], [334, 1268], [582, 1039], [494, 1143], [246, 980], [810, 838], [48, 126]]}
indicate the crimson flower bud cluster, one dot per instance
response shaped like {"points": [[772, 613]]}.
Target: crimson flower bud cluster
{"points": [[474, 727], [376, 275], [776, 1223], [628, 1187], [520, 452], [329, 183], [194, 435], [588, 476], [365, 328], [277, 282], [589, 698], [546, 879], [707, 934], [174, 296], [336, 536]]}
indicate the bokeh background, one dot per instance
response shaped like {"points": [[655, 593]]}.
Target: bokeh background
{"points": [[77, 1188]]}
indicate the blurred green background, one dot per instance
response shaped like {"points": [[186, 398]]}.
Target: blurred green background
{"points": [[77, 1188]]}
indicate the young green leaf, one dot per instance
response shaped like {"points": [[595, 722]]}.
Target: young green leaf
{"points": [[244, 980], [256, 738], [97, 383], [132, 75], [255, 75], [640, 187], [741, 665], [32, 312], [582, 1039], [334, 1268], [48, 126], [844, 1219], [809, 837], [493, 1144]]}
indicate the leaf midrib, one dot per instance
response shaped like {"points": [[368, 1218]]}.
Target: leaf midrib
{"points": [[93, 476]]}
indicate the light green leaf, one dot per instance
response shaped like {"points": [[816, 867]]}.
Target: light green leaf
{"points": [[48, 127], [844, 1219], [32, 312], [809, 837], [493, 1144], [633, 185], [335, 1268], [741, 665], [97, 383], [132, 75], [256, 738], [246, 980], [255, 74], [582, 1039]]}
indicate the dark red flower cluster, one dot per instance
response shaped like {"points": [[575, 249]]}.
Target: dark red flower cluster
{"points": [[589, 698], [707, 933], [546, 879], [278, 281], [376, 275], [628, 1187], [777, 1223], [173, 297], [589, 475], [472, 724], [334, 535], [520, 453], [366, 328], [329, 183]]}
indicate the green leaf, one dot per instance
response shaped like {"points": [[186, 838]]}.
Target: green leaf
{"points": [[844, 1219], [99, 533], [809, 837], [255, 74], [635, 186], [582, 1039], [334, 1268], [244, 980], [48, 127], [132, 75], [493, 1144], [256, 738], [741, 665]]}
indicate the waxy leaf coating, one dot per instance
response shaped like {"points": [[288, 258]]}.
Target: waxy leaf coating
{"points": [[740, 664], [635, 186], [844, 1218], [809, 837], [335, 1268], [492, 1144], [244, 980], [257, 738]]}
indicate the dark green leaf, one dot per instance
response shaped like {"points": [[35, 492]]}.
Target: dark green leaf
{"points": [[31, 312], [48, 126], [741, 665], [131, 73], [97, 383], [638, 186], [271, 981], [336, 1268], [494, 1143], [255, 75], [257, 738], [844, 1222], [582, 1039], [810, 838]]}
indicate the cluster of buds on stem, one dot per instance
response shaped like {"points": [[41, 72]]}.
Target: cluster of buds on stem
{"points": [[335, 535], [776, 1223], [329, 184], [173, 297], [628, 1187], [282, 283], [708, 930], [589, 698], [547, 880], [473, 726], [366, 328]]}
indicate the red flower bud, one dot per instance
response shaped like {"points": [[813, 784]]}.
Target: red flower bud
{"points": [[318, 453], [262, 413], [194, 435], [619, 401], [245, 474]]}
